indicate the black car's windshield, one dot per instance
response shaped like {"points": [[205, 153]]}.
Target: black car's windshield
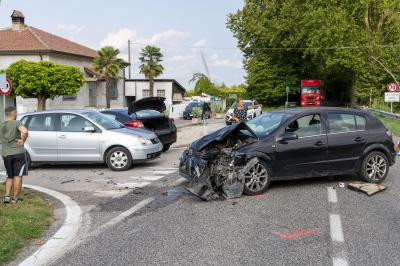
{"points": [[192, 105], [263, 125], [103, 120]]}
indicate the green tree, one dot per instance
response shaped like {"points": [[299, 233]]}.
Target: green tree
{"points": [[107, 63], [150, 58], [44, 80], [339, 42], [203, 85]]}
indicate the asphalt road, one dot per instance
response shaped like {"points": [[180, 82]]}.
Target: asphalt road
{"points": [[294, 223], [306, 222]]}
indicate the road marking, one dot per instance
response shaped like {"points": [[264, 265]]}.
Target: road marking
{"points": [[336, 228], [126, 213], [332, 196], [147, 178], [57, 244], [338, 261], [163, 172], [297, 234], [134, 184], [180, 181], [165, 168]]}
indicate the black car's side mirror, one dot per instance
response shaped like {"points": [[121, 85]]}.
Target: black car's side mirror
{"points": [[287, 136]]}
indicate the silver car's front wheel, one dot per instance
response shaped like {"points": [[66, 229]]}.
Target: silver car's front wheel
{"points": [[256, 177], [119, 159]]}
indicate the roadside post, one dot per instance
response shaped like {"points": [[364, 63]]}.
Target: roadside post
{"points": [[287, 96], [5, 89], [393, 95]]}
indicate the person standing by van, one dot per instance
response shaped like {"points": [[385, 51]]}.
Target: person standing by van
{"points": [[12, 137]]}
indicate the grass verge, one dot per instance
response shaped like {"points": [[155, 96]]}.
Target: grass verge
{"points": [[21, 223], [392, 124]]}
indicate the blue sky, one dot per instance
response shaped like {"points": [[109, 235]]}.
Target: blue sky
{"points": [[163, 23]]}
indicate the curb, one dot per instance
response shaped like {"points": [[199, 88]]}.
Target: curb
{"points": [[57, 244]]}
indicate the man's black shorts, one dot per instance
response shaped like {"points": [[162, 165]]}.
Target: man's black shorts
{"points": [[16, 165]]}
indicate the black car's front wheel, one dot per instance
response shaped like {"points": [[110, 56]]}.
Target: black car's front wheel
{"points": [[256, 178], [375, 167], [166, 147]]}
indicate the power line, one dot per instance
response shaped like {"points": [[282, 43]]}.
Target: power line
{"points": [[275, 48]]}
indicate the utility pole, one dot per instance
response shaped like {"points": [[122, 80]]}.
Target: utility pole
{"points": [[129, 58]]}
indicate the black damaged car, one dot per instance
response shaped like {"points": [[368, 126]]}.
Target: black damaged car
{"points": [[288, 144]]}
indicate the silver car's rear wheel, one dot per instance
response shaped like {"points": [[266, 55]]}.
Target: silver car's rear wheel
{"points": [[119, 159], [375, 167], [256, 177]]}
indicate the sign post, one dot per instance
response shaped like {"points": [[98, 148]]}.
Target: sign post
{"points": [[287, 95], [392, 95]]}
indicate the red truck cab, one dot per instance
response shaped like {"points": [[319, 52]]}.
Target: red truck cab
{"points": [[310, 92]]}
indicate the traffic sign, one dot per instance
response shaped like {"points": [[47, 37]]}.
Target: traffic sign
{"points": [[6, 87], [393, 87], [392, 97]]}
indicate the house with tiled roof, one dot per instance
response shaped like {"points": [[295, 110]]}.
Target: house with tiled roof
{"points": [[23, 42]]}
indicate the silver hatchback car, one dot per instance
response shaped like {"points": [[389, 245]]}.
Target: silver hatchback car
{"points": [[76, 136]]}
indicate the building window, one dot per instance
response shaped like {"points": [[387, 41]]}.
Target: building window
{"points": [[71, 97], [160, 93], [146, 93], [114, 89]]}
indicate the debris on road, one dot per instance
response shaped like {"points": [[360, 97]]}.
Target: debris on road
{"points": [[367, 188], [292, 235], [68, 181], [342, 185]]}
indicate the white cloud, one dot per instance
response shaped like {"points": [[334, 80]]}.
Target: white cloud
{"points": [[179, 58], [119, 39], [217, 62], [200, 44], [70, 28], [170, 36]]}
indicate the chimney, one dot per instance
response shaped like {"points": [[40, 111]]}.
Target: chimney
{"points": [[18, 20]]}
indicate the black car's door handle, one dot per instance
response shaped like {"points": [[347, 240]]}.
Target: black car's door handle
{"points": [[319, 143], [358, 139]]}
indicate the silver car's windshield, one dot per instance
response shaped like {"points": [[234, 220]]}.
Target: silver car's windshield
{"points": [[103, 120], [263, 125]]}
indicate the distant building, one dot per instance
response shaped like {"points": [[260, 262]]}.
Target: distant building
{"points": [[136, 89], [23, 42]]}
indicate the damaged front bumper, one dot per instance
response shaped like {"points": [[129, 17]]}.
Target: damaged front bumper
{"points": [[213, 174]]}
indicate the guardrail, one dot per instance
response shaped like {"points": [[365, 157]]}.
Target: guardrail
{"points": [[383, 113]]}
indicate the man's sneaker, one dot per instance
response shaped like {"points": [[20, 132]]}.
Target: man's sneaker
{"points": [[6, 199]]}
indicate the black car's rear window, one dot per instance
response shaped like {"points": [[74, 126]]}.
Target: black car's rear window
{"points": [[146, 113]]}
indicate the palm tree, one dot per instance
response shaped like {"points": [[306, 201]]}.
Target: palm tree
{"points": [[107, 63], [150, 58]]}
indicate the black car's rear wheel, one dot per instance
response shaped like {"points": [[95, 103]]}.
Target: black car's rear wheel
{"points": [[375, 167], [256, 178]]}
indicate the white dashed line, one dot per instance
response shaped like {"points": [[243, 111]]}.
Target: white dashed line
{"points": [[332, 196], [162, 172], [336, 228], [337, 261], [147, 178], [133, 184]]}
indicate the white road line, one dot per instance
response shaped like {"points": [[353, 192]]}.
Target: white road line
{"points": [[134, 184], [165, 168], [147, 178], [332, 196], [336, 228], [338, 261], [57, 245], [180, 181], [162, 172], [127, 213]]}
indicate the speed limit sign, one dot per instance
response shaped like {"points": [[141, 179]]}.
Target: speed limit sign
{"points": [[393, 87]]}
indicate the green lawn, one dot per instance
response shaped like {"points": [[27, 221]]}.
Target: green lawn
{"points": [[392, 124], [21, 223]]}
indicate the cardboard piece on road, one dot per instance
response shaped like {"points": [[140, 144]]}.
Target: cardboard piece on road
{"points": [[367, 188]]}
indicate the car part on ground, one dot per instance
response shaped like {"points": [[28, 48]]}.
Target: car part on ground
{"points": [[284, 145], [367, 188]]}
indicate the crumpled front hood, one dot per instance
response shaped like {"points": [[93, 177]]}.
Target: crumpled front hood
{"points": [[219, 135]]}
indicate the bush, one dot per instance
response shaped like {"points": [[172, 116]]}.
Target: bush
{"points": [[196, 112], [216, 108]]}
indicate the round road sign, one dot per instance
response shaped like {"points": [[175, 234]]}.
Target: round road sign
{"points": [[393, 87], [7, 89]]}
